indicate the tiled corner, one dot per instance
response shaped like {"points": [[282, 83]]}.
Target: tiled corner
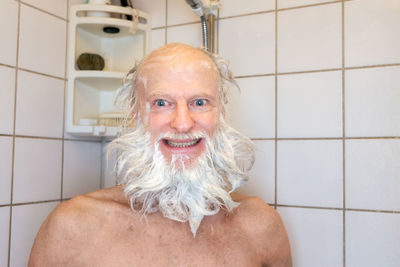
{"points": [[249, 43], [9, 17], [5, 169], [310, 173], [82, 168], [296, 3], [315, 236], [371, 32], [157, 38], [252, 110], [4, 229], [372, 239], [310, 38], [7, 94], [373, 174], [55, 7], [180, 12], [156, 8], [188, 34], [26, 220], [42, 42], [372, 99], [262, 176], [310, 105], [236, 7], [37, 163], [40, 101]]}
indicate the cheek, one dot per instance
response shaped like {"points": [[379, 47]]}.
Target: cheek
{"points": [[207, 122]]}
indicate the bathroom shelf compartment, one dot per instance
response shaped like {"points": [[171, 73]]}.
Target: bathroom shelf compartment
{"points": [[90, 93]]}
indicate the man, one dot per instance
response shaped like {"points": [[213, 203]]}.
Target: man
{"points": [[177, 170]]}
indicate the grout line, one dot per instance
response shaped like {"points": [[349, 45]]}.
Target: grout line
{"points": [[310, 5], [43, 74], [373, 66], [183, 24], [166, 23], [249, 14], [42, 10], [276, 106], [6, 65], [13, 137], [344, 138], [254, 75], [35, 202]]}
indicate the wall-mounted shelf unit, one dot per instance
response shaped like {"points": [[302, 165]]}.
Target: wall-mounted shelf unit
{"points": [[90, 93]]}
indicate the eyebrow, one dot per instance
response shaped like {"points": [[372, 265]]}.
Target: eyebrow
{"points": [[161, 94]]}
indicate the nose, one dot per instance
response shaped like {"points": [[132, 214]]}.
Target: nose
{"points": [[182, 121]]}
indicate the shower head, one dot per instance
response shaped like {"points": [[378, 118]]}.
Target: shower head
{"points": [[197, 6]]}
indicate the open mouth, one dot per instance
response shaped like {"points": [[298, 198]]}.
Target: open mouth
{"points": [[182, 143]]}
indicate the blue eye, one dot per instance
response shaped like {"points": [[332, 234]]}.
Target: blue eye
{"points": [[200, 102], [160, 103]]}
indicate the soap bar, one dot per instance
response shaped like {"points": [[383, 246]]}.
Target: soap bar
{"points": [[87, 61]]}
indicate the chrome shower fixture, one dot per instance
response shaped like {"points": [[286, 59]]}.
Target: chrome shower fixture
{"points": [[207, 10]]}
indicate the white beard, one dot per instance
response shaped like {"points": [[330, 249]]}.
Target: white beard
{"points": [[183, 193]]}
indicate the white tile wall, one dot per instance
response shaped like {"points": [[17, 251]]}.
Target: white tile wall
{"points": [[262, 176], [9, 17], [382, 230], [4, 230], [180, 12], [188, 34], [249, 43], [5, 169], [296, 3], [23, 233], [372, 102], [157, 38], [309, 38], [373, 174], [56, 7], [371, 32], [7, 93], [40, 105], [315, 236], [37, 169], [82, 166], [310, 105], [256, 97], [237, 7], [156, 8], [310, 173], [42, 42]]}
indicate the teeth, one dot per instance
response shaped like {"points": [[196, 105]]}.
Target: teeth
{"points": [[184, 144]]}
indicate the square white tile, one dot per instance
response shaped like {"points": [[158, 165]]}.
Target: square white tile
{"points": [[26, 222], [295, 3], [42, 42], [82, 166], [372, 32], [4, 230], [5, 169], [157, 38], [310, 173], [373, 174], [237, 7], [9, 17], [262, 176], [252, 110], [40, 104], [315, 236], [55, 7], [7, 94], [156, 8], [249, 43], [37, 170], [310, 38], [372, 98], [372, 239], [180, 12], [188, 34], [310, 105]]}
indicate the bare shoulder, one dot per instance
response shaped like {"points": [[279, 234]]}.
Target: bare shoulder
{"points": [[59, 239], [265, 228]]}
